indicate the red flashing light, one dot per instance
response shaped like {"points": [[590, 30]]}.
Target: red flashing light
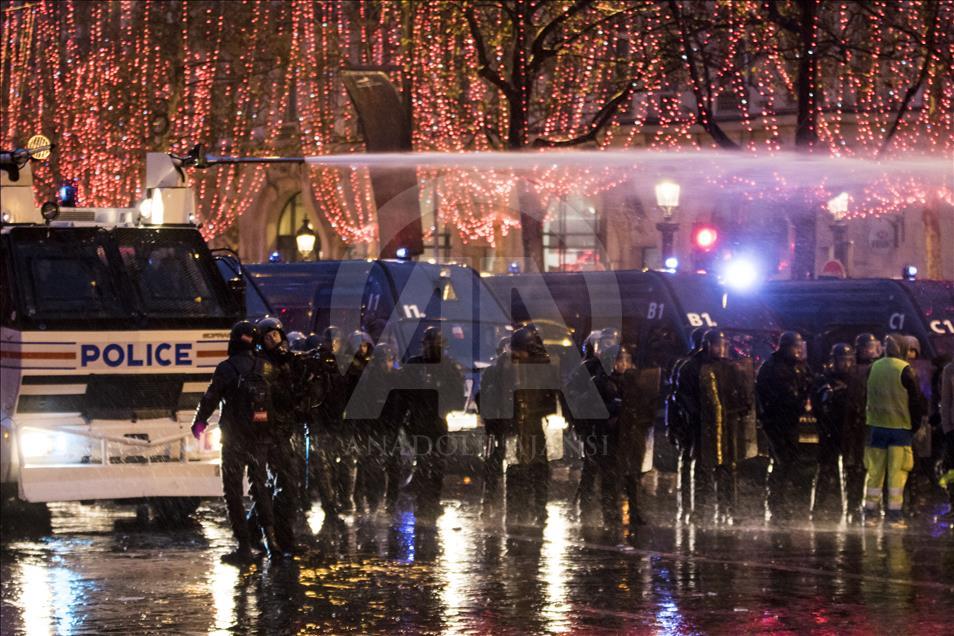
{"points": [[705, 237]]}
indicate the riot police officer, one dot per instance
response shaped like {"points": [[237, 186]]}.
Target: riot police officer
{"points": [[286, 428], [783, 388], [580, 390], [830, 405], [325, 421], [432, 386], [379, 452], [723, 403], [239, 385], [679, 424], [359, 348], [854, 432], [490, 399], [528, 474]]}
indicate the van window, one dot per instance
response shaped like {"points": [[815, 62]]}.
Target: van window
{"points": [[65, 276], [170, 276]]}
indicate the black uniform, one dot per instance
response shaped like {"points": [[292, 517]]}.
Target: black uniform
{"points": [[494, 402], [324, 429], [687, 434], [589, 372], [378, 471], [783, 387], [830, 405], [637, 395], [528, 476], [244, 442], [424, 414], [286, 428]]}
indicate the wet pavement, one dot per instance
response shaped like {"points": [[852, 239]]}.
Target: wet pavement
{"points": [[102, 571]]}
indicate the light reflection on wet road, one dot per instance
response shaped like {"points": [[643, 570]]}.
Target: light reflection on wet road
{"points": [[102, 572]]}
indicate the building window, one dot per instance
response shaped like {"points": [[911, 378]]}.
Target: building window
{"points": [[289, 222], [571, 236]]}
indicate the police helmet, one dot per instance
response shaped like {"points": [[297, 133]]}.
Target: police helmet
{"points": [[716, 344], [503, 345], [867, 347], [841, 350], [527, 340], [332, 338], [609, 336], [270, 323], [790, 339], [243, 336], [358, 339], [383, 354], [312, 342], [296, 341], [591, 346], [696, 337]]}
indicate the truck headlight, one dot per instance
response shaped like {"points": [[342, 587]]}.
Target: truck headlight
{"points": [[555, 422], [41, 443], [461, 421]]}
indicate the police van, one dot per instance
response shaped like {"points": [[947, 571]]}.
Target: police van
{"points": [[830, 311], [111, 324]]}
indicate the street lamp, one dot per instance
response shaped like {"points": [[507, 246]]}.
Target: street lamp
{"points": [[305, 239], [667, 198], [838, 208]]}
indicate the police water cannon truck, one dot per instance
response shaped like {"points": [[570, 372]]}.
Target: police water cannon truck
{"points": [[111, 323]]}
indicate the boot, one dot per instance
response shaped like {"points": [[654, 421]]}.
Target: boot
{"points": [[239, 556], [275, 550]]}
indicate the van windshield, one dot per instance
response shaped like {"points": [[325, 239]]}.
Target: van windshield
{"points": [[127, 278], [169, 275], [62, 274]]}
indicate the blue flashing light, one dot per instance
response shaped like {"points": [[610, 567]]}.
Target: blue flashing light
{"points": [[671, 263], [741, 274], [402, 253], [67, 194], [274, 257]]}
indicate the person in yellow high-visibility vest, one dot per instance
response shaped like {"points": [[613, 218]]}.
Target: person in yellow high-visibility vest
{"points": [[893, 411]]}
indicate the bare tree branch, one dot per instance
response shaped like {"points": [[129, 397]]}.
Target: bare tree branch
{"points": [[485, 70], [599, 120], [538, 51], [703, 107], [790, 25], [915, 87]]}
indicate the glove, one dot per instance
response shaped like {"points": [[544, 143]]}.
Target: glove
{"points": [[198, 428]]}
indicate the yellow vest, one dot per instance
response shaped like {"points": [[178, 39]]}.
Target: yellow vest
{"points": [[887, 397]]}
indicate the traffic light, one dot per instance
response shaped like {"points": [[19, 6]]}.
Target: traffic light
{"points": [[705, 241]]}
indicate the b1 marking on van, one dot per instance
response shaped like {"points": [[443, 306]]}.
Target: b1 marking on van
{"points": [[163, 354], [699, 320]]}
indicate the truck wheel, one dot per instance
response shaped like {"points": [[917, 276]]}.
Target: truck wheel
{"points": [[172, 512]]}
